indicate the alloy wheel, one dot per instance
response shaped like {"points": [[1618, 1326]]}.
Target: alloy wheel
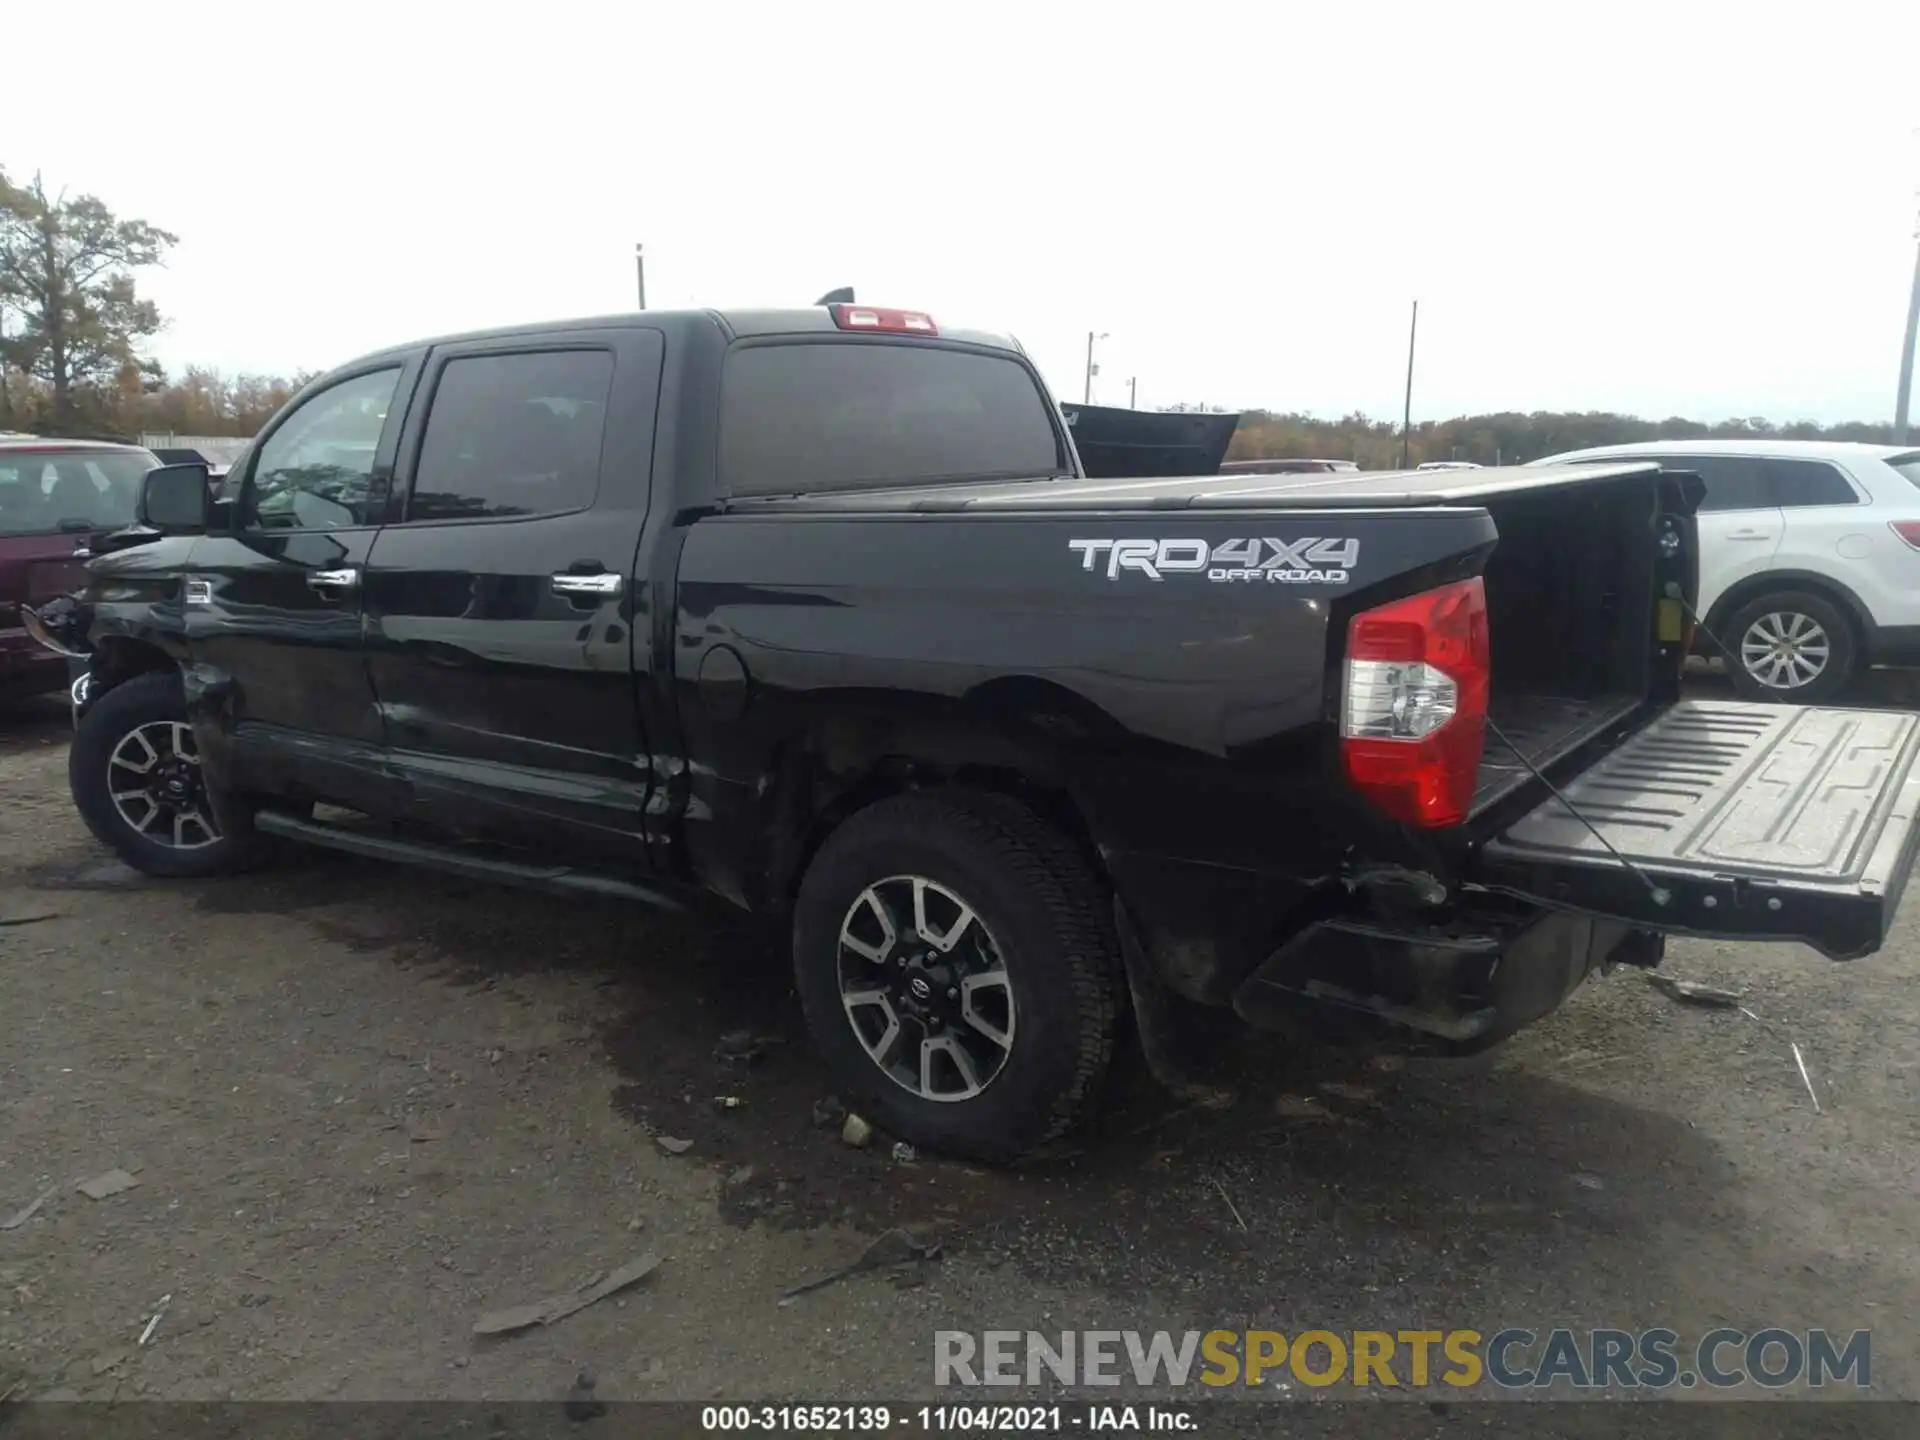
{"points": [[925, 988], [155, 780], [1785, 650]]}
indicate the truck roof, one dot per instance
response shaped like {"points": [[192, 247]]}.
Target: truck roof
{"points": [[800, 320], [1372, 490]]}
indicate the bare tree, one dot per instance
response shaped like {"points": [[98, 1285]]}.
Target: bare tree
{"points": [[67, 276]]}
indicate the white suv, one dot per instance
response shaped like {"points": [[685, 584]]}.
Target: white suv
{"points": [[1809, 557]]}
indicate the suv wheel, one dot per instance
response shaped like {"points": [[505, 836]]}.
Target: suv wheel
{"points": [[957, 964], [1792, 647], [135, 775]]}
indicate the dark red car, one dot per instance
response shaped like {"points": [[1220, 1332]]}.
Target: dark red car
{"points": [[56, 497]]}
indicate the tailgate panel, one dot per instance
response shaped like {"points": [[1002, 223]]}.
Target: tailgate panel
{"points": [[1769, 821]]}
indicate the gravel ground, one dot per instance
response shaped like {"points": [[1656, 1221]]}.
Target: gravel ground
{"points": [[365, 1105]]}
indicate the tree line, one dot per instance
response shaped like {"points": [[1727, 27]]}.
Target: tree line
{"points": [[1508, 437], [74, 360], [201, 401]]}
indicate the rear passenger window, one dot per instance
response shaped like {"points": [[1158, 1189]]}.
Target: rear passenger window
{"points": [[837, 416], [513, 435], [1808, 482], [1733, 482]]}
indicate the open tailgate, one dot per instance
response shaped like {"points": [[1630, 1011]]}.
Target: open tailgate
{"points": [[1752, 821]]}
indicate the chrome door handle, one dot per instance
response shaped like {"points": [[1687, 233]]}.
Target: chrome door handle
{"points": [[586, 584], [334, 579], [1749, 535]]}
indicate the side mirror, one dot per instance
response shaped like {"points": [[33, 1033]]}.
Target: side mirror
{"points": [[175, 499]]}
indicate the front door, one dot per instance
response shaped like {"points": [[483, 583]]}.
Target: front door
{"points": [[500, 602], [279, 683], [1739, 525]]}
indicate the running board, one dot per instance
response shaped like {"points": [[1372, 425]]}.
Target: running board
{"points": [[455, 861]]}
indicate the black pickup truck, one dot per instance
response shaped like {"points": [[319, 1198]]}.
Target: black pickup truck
{"points": [[815, 611]]}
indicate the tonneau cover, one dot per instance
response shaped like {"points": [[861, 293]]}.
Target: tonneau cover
{"points": [[1370, 490]]}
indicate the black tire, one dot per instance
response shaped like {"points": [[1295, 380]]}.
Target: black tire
{"points": [[1782, 612], [1044, 914], [149, 704]]}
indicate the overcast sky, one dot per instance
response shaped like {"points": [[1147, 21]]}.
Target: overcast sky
{"points": [[1695, 208]]}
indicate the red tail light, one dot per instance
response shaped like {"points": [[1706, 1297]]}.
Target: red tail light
{"points": [[1907, 530], [1414, 713], [869, 317]]}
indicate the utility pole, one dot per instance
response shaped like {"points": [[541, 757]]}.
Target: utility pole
{"points": [[1904, 400], [1092, 369], [1406, 413], [640, 272], [1133, 393]]}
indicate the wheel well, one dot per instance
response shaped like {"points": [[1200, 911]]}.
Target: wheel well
{"points": [[1786, 582], [119, 659], [842, 768]]}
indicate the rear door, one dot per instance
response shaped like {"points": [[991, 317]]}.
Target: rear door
{"points": [[1828, 528], [500, 601], [1740, 821], [1867, 547], [273, 607]]}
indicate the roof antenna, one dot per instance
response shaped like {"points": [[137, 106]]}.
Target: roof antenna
{"points": [[842, 296]]}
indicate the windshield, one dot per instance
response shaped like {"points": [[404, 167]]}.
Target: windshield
{"points": [[45, 492]]}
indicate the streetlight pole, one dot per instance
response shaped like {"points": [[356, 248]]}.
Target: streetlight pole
{"points": [[1406, 412], [1092, 369], [1133, 392], [1905, 399], [640, 272]]}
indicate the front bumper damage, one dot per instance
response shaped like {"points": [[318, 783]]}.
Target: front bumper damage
{"points": [[62, 626]]}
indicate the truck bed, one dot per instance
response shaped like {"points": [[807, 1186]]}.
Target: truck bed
{"points": [[1542, 727], [1370, 490]]}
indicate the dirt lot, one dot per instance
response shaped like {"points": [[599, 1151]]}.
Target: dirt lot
{"points": [[366, 1105]]}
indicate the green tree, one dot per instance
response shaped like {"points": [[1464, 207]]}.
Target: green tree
{"points": [[70, 315]]}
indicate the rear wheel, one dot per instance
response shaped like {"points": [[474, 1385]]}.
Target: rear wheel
{"points": [[1791, 647], [136, 778], [956, 960]]}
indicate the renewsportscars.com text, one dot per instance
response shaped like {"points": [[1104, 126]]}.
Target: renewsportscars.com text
{"points": [[1511, 1359]]}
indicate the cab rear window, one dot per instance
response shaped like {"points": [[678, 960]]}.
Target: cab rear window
{"points": [[844, 415]]}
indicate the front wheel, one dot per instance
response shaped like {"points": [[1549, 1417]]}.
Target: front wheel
{"points": [[1791, 647], [135, 774], [957, 963]]}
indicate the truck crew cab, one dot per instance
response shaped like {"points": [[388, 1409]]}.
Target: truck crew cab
{"points": [[815, 611]]}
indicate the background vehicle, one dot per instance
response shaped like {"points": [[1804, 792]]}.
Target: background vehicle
{"points": [[216, 469], [1115, 443], [815, 611], [55, 496], [1808, 563], [1288, 467]]}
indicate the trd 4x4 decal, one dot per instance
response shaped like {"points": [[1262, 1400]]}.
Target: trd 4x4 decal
{"points": [[1309, 561]]}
